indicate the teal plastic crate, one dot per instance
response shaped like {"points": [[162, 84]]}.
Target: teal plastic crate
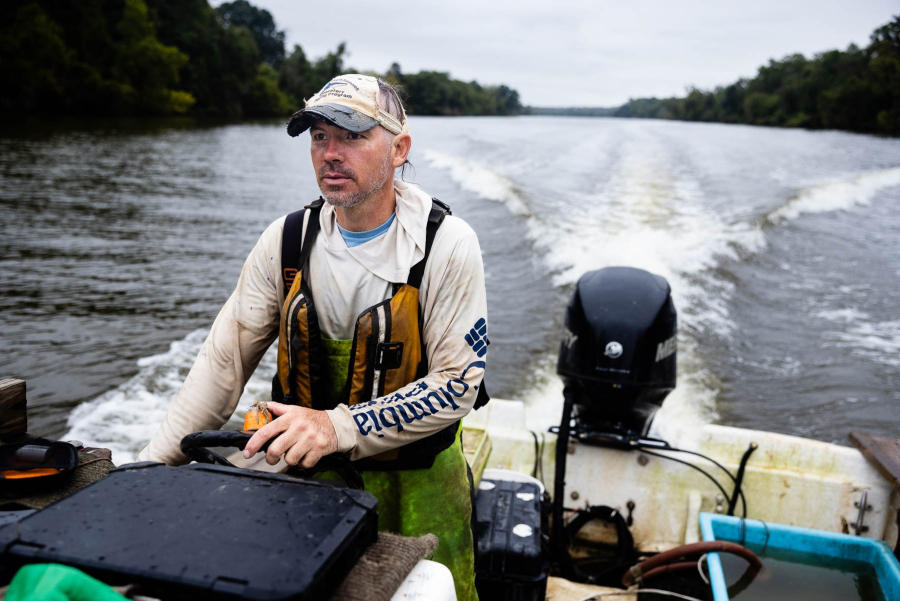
{"points": [[801, 540]]}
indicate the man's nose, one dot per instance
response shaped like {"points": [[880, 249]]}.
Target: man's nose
{"points": [[333, 151]]}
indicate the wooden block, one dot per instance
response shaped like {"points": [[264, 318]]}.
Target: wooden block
{"points": [[13, 408], [11, 392], [476, 448], [883, 452]]}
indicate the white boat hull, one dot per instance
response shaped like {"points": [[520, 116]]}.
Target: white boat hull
{"points": [[789, 480]]}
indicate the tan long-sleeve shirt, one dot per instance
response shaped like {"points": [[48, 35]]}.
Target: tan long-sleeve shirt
{"points": [[345, 281]]}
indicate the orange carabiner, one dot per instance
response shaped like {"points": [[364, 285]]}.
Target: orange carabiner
{"points": [[257, 416]]}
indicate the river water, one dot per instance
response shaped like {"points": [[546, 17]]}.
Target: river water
{"points": [[119, 242]]}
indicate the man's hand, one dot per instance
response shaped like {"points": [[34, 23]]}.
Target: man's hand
{"points": [[306, 435]]}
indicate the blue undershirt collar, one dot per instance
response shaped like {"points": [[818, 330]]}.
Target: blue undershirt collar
{"points": [[356, 238]]}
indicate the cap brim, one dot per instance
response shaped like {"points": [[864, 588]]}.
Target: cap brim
{"points": [[336, 114]]}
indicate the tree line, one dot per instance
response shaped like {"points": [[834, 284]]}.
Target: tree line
{"points": [[165, 57], [857, 90]]}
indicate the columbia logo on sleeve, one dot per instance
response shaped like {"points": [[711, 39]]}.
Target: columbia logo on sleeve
{"points": [[477, 338]]}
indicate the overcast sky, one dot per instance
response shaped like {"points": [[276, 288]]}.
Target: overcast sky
{"points": [[579, 52]]}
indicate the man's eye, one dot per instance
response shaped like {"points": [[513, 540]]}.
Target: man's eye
{"points": [[355, 136], [319, 136]]}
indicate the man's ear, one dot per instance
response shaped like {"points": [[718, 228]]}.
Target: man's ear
{"points": [[400, 145]]}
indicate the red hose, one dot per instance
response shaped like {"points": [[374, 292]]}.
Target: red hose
{"points": [[645, 567], [669, 568]]}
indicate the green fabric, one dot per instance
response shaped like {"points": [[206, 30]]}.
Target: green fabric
{"points": [[337, 362], [53, 582], [417, 502]]}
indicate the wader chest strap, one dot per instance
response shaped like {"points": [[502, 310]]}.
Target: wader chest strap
{"points": [[439, 210], [295, 245]]}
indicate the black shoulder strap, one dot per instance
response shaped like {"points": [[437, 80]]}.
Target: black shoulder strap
{"points": [[295, 247], [439, 210]]}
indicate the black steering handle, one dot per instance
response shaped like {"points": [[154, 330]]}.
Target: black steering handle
{"points": [[195, 446]]}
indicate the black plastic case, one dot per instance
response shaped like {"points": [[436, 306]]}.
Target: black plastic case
{"points": [[509, 564], [203, 532]]}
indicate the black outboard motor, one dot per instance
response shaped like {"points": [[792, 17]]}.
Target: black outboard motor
{"points": [[617, 361], [617, 357]]}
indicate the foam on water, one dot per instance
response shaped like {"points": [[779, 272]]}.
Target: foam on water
{"points": [[647, 215], [847, 315], [125, 418], [864, 337], [486, 183], [837, 195]]}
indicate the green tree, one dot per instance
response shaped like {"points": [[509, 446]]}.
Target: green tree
{"points": [[264, 96], [173, 56], [884, 52], [857, 89], [296, 77], [436, 93], [300, 78], [222, 60], [732, 101], [35, 62], [331, 65], [88, 57], [147, 68], [269, 40], [762, 108], [698, 106], [507, 101]]}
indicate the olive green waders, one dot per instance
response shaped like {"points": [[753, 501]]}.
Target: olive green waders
{"points": [[417, 502]]}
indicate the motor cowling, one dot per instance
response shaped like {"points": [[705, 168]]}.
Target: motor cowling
{"points": [[618, 353]]}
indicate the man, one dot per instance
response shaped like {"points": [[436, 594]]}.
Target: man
{"points": [[376, 296]]}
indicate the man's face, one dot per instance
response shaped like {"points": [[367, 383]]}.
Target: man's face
{"points": [[350, 167]]}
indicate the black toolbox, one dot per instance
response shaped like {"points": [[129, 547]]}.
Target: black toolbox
{"points": [[509, 562], [202, 532]]}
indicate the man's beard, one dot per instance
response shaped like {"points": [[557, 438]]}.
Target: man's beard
{"points": [[341, 198]]}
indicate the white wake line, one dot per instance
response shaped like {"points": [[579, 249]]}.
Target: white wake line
{"points": [[695, 245], [837, 195], [484, 182], [123, 419]]}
